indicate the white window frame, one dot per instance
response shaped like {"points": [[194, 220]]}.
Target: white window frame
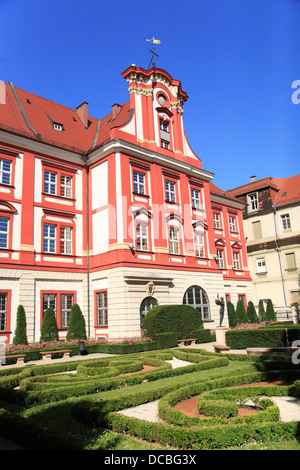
{"points": [[138, 183], [217, 220], [253, 200], [236, 260], [260, 265], [65, 240], [220, 259], [101, 309], [66, 185], [3, 311], [232, 224], [199, 244], [5, 172], [286, 222], [49, 183], [141, 231], [4, 231], [65, 308], [195, 195], [170, 191], [174, 240], [48, 237]]}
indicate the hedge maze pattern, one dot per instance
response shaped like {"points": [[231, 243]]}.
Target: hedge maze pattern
{"points": [[97, 389]]}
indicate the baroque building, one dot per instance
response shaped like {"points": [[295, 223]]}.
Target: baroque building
{"points": [[115, 214], [272, 230]]}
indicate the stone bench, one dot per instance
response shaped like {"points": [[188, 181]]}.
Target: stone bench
{"points": [[19, 357], [46, 355], [221, 347], [187, 342]]}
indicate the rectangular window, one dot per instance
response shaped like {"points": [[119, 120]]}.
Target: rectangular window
{"points": [[196, 198], [49, 182], [217, 223], [236, 260], [199, 242], [49, 301], [141, 236], [66, 302], [65, 240], [101, 308], [285, 220], [232, 224], [242, 297], [220, 259], [261, 265], [138, 183], [164, 134], [66, 186], [256, 229], [174, 241], [170, 191], [3, 311], [253, 202], [3, 232], [49, 238], [5, 171]]}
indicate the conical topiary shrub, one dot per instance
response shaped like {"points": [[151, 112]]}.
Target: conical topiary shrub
{"points": [[232, 320], [49, 330], [20, 332], [251, 313], [76, 324], [261, 311], [270, 313], [241, 312]]}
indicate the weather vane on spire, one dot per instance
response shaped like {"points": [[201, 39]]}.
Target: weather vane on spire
{"points": [[153, 41]]}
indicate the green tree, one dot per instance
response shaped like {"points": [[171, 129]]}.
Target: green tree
{"points": [[232, 319], [76, 324], [241, 312], [270, 313], [49, 330], [20, 331], [261, 311], [251, 313]]}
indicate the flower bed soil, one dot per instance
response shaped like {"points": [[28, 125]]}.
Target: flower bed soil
{"points": [[190, 406]]}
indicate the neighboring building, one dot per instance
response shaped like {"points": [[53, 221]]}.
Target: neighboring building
{"points": [[116, 214], [272, 230]]}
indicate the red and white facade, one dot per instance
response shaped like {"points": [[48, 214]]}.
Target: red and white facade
{"points": [[115, 214]]}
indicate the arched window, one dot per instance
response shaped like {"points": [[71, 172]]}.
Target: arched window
{"points": [[197, 298], [146, 305]]}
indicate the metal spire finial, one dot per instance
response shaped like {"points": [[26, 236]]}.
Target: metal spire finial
{"points": [[153, 41]]}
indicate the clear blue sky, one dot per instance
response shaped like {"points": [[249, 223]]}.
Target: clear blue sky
{"points": [[236, 59]]}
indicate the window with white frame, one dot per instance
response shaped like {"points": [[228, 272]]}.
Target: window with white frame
{"points": [[49, 238], [220, 259], [141, 231], [49, 301], [286, 223], [260, 265], [232, 224], [236, 260], [3, 311], [253, 201], [66, 186], [65, 240], [5, 171], [49, 182], [217, 221], [174, 240], [170, 191], [164, 134], [66, 302], [199, 243], [138, 183], [195, 198], [101, 306], [4, 232]]}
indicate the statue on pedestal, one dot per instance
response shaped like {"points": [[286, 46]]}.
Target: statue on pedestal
{"points": [[220, 301]]}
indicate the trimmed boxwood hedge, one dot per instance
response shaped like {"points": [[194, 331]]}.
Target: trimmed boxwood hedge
{"points": [[263, 337]]}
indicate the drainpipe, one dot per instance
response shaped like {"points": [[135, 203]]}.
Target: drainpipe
{"points": [[278, 252], [87, 245]]}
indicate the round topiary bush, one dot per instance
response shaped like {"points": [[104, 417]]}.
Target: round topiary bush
{"points": [[179, 319]]}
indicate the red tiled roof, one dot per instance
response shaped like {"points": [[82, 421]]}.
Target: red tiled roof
{"points": [[219, 192], [287, 190], [42, 113]]}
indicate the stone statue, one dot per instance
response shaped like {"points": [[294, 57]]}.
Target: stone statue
{"points": [[220, 301]]}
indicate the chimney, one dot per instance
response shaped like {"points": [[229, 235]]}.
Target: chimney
{"points": [[116, 108], [82, 113], [253, 178]]}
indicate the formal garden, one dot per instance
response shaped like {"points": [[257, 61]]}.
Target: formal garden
{"points": [[213, 401]]}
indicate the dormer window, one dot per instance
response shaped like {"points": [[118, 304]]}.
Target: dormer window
{"points": [[58, 127]]}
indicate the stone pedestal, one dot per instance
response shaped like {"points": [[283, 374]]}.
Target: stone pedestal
{"points": [[220, 335]]}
